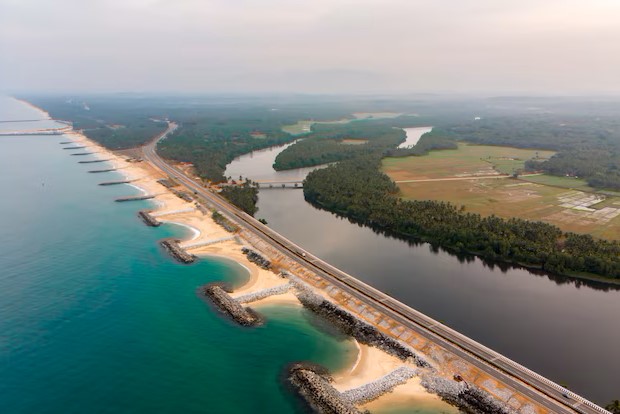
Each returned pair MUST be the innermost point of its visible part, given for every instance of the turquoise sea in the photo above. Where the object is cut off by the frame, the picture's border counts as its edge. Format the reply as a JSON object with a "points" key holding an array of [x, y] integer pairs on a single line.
{"points": [[96, 318]]}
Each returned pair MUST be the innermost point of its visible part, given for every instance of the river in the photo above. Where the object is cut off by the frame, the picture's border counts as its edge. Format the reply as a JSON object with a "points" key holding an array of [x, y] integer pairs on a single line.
{"points": [[413, 136], [565, 329]]}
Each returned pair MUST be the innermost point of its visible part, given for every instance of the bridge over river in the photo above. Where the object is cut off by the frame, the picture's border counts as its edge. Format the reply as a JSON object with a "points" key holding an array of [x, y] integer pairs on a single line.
{"points": [[279, 184]]}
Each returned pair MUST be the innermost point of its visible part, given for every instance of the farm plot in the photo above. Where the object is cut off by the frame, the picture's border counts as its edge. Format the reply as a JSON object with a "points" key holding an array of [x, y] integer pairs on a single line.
{"points": [[471, 176], [466, 161], [506, 197]]}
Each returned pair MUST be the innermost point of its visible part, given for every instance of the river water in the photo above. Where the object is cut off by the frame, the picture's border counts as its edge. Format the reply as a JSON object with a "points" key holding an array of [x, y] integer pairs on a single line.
{"points": [[413, 135], [96, 318], [564, 329]]}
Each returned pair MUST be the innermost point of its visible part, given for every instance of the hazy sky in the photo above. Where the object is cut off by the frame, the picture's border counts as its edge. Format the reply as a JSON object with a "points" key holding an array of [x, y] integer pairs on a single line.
{"points": [[555, 46]]}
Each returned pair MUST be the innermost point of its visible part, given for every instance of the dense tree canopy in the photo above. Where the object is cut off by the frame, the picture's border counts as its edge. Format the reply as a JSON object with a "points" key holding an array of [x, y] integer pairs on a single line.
{"points": [[589, 147], [327, 144], [102, 120], [358, 190], [243, 196], [437, 139]]}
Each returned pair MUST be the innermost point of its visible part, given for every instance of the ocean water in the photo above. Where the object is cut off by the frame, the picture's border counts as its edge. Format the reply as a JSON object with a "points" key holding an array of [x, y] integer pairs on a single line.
{"points": [[95, 317]]}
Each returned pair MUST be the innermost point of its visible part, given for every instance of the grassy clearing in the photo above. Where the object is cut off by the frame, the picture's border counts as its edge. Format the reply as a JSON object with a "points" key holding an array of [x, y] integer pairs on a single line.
{"points": [[467, 160], [354, 141], [300, 128], [563, 182], [507, 197], [376, 115], [530, 197], [305, 127]]}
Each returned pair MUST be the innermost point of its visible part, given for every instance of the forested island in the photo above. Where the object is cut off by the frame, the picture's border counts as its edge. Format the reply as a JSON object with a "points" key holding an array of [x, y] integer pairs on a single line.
{"points": [[358, 190]]}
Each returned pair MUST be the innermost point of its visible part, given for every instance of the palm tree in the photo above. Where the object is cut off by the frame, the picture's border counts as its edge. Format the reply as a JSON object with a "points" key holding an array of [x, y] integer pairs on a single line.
{"points": [[613, 407]]}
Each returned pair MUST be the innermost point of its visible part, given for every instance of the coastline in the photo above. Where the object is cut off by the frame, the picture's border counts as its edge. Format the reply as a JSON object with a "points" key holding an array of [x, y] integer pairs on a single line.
{"points": [[370, 363], [195, 232], [46, 114]]}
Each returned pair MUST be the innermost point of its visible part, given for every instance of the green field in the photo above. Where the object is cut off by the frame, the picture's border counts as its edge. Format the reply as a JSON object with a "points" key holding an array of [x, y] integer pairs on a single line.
{"points": [[455, 176], [304, 127], [300, 128], [466, 161], [376, 115], [563, 182]]}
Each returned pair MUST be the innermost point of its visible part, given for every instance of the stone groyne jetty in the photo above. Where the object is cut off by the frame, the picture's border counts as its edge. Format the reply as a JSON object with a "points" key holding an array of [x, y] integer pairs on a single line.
{"points": [[92, 161], [103, 171], [313, 385], [77, 154], [315, 389], [148, 219], [115, 182], [372, 390], [74, 148], [172, 246], [231, 307], [28, 133], [264, 293], [66, 142], [135, 198]]}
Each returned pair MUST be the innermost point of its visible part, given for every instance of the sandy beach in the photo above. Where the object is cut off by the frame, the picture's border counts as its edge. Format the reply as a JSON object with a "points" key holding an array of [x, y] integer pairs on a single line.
{"points": [[42, 111], [370, 364]]}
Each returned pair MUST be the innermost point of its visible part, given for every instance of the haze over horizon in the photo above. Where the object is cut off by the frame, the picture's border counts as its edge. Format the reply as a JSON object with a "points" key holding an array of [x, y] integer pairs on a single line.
{"points": [[321, 46]]}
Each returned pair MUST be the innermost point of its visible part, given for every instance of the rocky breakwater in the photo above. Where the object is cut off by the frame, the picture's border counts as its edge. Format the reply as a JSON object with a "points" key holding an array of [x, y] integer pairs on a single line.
{"points": [[353, 326], [172, 246], [377, 388], [228, 305], [315, 389], [148, 219], [468, 397], [256, 257]]}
